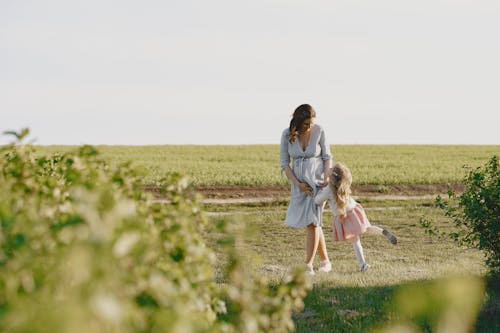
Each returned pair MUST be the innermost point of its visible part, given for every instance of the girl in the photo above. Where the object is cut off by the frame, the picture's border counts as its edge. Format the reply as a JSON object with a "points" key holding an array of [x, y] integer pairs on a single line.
{"points": [[349, 218]]}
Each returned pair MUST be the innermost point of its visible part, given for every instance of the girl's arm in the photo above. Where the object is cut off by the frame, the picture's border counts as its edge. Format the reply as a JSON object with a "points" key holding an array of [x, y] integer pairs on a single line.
{"points": [[324, 194]]}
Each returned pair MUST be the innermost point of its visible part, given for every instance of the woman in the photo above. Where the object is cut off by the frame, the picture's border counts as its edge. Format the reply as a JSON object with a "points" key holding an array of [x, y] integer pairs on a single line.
{"points": [[304, 143]]}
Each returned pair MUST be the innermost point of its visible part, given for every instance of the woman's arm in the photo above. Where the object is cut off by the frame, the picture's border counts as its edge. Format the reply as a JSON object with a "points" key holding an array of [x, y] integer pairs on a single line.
{"points": [[327, 172], [285, 164], [304, 187], [327, 157]]}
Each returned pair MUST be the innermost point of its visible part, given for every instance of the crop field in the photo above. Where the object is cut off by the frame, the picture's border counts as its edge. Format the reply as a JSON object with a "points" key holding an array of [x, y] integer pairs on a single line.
{"points": [[259, 164]]}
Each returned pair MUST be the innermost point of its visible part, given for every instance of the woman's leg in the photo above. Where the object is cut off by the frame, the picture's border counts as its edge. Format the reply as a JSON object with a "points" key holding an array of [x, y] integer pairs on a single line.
{"points": [[324, 265], [312, 242], [322, 251]]}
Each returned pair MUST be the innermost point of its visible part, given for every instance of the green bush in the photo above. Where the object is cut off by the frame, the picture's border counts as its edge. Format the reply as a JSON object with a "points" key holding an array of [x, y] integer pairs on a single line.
{"points": [[475, 213], [446, 305], [84, 249]]}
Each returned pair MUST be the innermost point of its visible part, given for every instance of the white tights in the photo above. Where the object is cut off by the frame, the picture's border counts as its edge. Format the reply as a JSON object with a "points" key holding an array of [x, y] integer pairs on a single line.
{"points": [[358, 249]]}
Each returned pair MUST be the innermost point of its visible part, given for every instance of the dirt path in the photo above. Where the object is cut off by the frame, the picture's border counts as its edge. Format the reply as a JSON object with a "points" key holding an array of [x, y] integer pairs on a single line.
{"points": [[271, 199], [283, 191], [259, 194], [265, 193]]}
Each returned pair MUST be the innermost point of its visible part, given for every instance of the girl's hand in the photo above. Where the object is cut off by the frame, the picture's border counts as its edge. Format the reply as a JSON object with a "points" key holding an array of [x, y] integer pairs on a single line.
{"points": [[304, 187]]}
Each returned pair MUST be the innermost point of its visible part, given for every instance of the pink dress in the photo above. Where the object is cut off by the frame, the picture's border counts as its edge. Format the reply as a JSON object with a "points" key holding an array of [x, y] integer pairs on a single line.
{"points": [[353, 224]]}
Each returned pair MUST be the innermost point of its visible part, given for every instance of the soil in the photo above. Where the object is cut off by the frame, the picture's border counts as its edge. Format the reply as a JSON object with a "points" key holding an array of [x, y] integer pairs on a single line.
{"points": [[283, 191]]}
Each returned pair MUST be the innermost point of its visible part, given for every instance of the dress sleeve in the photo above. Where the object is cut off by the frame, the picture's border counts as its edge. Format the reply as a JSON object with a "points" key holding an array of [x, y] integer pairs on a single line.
{"points": [[324, 194], [326, 154], [284, 155]]}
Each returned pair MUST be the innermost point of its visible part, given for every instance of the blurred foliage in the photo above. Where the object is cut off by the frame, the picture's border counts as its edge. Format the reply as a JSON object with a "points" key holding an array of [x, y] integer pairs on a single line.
{"points": [[448, 305], [475, 213], [84, 249]]}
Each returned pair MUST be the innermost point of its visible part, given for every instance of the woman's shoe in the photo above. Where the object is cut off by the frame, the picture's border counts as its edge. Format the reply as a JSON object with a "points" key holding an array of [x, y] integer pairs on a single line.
{"points": [[325, 266], [364, 268], [309, 269]]}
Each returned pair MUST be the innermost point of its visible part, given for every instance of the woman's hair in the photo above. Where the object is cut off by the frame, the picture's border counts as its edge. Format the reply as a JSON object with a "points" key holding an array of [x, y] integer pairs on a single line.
{"points": [[301, 114], [340, 182]]}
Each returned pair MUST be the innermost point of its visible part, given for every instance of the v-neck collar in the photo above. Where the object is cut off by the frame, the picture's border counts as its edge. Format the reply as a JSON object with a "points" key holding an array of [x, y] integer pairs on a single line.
{"points": [[308, 141], [302, 149]]}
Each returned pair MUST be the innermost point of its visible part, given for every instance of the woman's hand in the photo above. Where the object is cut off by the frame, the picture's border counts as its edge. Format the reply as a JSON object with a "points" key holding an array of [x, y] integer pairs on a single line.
{"points": [[325, 181], [304, 187]]}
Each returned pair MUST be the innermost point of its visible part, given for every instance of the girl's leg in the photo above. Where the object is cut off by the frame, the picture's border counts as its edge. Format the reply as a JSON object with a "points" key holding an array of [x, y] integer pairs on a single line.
{"points": [[379, 231], [358, 249], [312, 242], [375, 230]]}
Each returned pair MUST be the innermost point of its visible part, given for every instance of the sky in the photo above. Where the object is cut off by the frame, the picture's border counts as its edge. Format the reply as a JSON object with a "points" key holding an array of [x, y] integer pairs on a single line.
{"points": [[232, 72]]}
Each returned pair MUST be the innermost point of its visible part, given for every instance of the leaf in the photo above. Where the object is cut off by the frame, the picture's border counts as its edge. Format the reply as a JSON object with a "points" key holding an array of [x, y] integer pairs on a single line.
{"points": [[19, 135]]}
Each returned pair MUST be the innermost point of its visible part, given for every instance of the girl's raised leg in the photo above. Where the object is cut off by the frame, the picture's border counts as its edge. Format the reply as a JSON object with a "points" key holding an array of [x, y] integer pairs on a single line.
{"points": [[379, 231]]}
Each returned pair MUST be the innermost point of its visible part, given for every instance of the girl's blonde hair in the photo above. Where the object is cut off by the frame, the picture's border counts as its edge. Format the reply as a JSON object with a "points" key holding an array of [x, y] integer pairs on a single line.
{"points": [[340, 182]]}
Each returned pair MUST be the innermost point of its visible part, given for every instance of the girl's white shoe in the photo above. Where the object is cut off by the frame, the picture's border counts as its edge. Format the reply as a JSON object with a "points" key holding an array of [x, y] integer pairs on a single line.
{"points": [[325, 266], [364, 268]]}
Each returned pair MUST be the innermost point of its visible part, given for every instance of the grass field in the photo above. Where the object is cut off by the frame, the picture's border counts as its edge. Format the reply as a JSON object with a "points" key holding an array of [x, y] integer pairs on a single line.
{"points": [[259, 164], [346, 300], [343, 300]]}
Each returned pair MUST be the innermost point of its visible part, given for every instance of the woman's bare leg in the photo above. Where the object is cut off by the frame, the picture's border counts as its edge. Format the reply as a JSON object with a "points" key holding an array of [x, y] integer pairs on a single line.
{"points": [[322, 251], [312, 242]]}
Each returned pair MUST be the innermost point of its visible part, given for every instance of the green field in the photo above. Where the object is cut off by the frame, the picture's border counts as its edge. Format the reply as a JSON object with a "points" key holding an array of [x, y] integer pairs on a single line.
{"points": [[259, 164], [346, 300]]}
